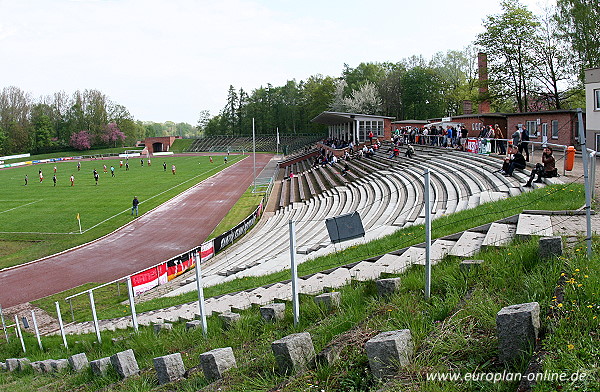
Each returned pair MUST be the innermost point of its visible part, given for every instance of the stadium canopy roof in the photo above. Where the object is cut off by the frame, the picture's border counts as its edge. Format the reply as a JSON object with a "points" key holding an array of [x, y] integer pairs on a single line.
{"points": [[332, 118]]}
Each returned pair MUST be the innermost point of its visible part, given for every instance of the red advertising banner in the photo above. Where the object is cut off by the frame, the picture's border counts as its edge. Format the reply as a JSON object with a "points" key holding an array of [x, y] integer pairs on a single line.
{"points": [[144, 280], [179, 265], [473, 145], [162, 273], [207, 250]]}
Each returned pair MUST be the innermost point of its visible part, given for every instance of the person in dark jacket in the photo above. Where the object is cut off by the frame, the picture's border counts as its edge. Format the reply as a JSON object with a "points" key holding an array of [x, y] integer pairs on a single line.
{"points": [[135, 204], [516, 162], [545, 169]]}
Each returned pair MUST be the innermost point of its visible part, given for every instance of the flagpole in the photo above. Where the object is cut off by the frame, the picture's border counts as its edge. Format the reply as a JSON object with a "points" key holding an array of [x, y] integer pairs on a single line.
{"points": [[277, 148], [79, 221]]}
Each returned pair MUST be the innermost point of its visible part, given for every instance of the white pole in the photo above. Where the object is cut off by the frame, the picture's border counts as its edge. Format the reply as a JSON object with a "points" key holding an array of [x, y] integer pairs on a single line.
{"points": [[62, 327], [200, 294], [79, 221], [132, 303], [294, 269], [427, 236], [254, 158], [18, 327], [93, 305], [588, 193], [4, 324], [37, 331], [277, 148], [593, 171]]}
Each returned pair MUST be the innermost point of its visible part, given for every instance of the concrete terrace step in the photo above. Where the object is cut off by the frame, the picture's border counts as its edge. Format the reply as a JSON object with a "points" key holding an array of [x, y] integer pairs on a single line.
{"points": [[499, 234], [530, 224], [468, 244]]}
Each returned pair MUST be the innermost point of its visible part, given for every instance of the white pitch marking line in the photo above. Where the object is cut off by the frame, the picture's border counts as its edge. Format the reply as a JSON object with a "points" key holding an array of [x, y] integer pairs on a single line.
{"points": [[24, 205]]}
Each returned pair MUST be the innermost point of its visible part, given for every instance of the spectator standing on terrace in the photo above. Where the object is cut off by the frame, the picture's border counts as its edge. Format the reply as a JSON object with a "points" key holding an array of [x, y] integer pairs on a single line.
{"points": [[501, 144], [371, 137], [516, 137], [545, 169], [524, 145], [134, 205]]}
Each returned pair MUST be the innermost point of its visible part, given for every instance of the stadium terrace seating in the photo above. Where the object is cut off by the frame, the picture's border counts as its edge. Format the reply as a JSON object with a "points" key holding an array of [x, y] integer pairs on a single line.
{"points": [[289, 143]]}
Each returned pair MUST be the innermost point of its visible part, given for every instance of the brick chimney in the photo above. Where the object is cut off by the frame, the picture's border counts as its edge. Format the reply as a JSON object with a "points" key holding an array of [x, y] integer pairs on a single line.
{"points": [[484, 100]]}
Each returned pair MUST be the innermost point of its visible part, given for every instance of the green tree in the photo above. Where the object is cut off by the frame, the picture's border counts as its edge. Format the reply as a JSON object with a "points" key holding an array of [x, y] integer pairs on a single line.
{"points": [[509, 40], [579, 20]]}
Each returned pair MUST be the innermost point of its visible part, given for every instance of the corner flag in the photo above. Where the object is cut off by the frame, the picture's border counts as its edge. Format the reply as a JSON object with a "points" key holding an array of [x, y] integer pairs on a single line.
{"points": [[79, 221]]}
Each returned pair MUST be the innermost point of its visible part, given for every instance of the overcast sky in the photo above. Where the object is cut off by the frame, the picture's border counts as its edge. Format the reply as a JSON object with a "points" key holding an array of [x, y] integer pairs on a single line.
{"points": [[166, 60]]}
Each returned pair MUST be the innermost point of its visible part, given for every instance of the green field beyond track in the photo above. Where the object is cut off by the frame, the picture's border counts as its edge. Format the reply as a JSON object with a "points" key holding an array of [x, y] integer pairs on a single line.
{"points": [[44, 217]]}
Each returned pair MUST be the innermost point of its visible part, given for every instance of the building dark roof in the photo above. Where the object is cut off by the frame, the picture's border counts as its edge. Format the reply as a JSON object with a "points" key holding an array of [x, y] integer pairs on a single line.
{"points": [[410, 122]]}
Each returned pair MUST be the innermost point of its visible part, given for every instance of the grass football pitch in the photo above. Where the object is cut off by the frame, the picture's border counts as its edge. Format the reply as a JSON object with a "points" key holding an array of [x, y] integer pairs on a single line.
{"points": [[39, 218]]}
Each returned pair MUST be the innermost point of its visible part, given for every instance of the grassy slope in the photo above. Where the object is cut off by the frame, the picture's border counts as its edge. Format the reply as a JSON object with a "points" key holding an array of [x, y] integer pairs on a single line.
{"points": [[44, 217]]}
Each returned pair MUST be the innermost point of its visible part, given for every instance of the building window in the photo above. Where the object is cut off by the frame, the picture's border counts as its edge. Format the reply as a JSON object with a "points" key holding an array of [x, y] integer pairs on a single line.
{"points": [[597, 99], [554, 129], [532, 128]]}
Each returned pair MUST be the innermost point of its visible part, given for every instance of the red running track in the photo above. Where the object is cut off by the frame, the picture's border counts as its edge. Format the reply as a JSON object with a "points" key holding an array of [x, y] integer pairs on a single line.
{"points": [[170, 229]]}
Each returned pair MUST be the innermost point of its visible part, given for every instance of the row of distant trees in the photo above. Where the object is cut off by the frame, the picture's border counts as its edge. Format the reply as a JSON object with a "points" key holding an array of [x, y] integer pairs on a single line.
{"points": [[536, 62], [86, 119]]}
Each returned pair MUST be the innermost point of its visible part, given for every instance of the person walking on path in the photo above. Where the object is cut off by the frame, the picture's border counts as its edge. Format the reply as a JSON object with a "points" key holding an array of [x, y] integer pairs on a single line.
{"points": [[135, 204], [54, 179]]}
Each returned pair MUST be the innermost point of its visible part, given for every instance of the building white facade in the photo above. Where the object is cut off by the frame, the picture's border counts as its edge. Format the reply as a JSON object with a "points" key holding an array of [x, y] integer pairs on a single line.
{"points": [[592, 108]]}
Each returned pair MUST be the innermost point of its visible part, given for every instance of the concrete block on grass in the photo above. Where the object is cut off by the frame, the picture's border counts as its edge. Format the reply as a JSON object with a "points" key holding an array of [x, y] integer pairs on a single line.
{"points": [[329, 300], [37, 366], [125, 363], [23, 363], [388, 350], [12, 364], [46, 366], [550, 247], [100, 366], [59, 364], [517, 327], [273, 312], [294, 352], [230, 318], [169, 368], [3, 366], [216, 362], [193, 324], [387, 286], [78, 362]]}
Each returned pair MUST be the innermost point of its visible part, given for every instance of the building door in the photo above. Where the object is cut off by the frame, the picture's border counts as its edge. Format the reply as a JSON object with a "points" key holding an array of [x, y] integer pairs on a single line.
{"points": [[545, 133], [157, 147]]}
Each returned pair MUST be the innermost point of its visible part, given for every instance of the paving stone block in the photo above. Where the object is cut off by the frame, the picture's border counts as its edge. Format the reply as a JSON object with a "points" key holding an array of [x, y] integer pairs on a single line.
{"points": [[294, 352], [78, 362], [193, 324], [469, 265], [125, 363], [169, 368], [329, 300], [215, 362], [329, 354], [100, 366], [46, 366], [59, 364], [550, 247], [162, 327], [12, 364], [273, 312], [36, 366], [3, 366], [230, 318], [23, 363], [517, 327], [388, 350], [387, 286]]}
